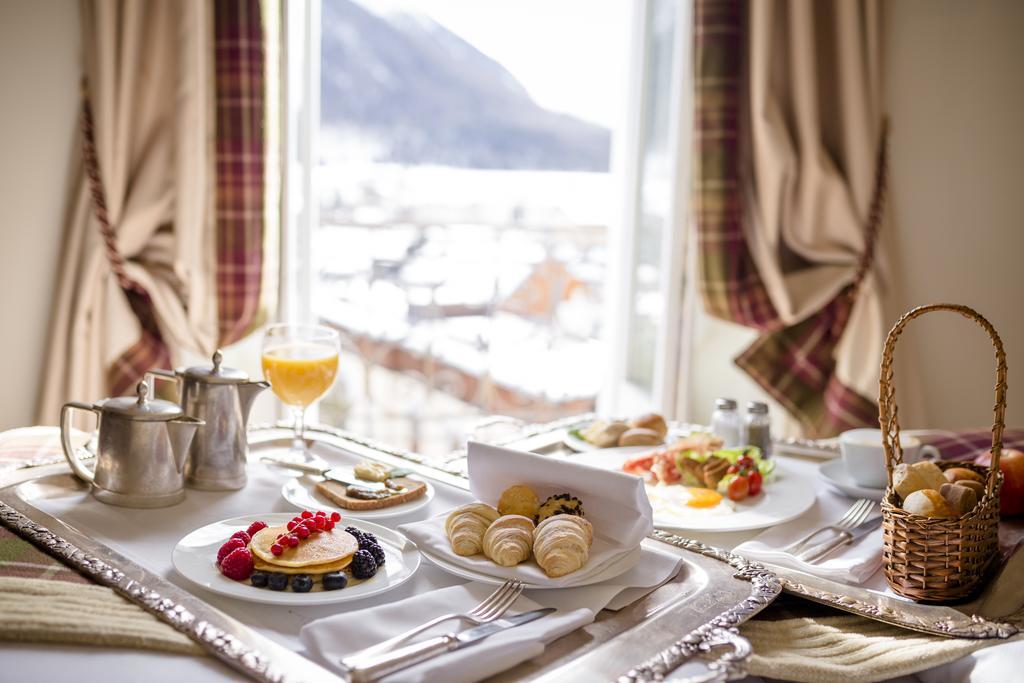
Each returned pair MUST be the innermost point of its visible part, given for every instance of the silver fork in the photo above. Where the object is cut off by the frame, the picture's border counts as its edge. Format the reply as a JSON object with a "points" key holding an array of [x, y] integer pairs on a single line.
{"points": [[857, 513], [492, 607]]}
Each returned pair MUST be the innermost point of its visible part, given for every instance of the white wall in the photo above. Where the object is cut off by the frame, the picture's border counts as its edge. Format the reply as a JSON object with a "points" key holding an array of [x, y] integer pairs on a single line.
{"points": [[39, 73]]}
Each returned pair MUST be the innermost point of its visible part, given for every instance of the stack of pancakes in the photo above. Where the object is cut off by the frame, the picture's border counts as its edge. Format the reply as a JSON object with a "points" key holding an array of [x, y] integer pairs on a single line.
{"points": [[322, 553]]}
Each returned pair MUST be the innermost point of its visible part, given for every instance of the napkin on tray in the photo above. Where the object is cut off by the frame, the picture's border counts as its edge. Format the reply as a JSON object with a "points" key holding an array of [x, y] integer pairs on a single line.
{"points": [[853, 564], [334, 637], [615, 503]]}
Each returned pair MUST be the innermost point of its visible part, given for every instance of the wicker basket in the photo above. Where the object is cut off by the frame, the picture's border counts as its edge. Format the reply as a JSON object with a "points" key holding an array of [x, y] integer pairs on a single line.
{"points": [[939, 559]]}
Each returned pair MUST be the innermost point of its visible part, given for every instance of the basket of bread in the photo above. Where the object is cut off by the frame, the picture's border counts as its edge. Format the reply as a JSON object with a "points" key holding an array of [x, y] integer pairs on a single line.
{"points": [[940, 520]]}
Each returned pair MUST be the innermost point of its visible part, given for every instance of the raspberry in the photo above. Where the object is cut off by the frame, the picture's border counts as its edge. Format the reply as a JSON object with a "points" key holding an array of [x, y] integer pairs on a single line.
{"points": [[306, 514], [302, 532], [335, 517], [363, 565], [328, 525], [292, 525], [232, 544], [237, 565], [293, 540], [321, 513], [277, 549], [242, 535], [254, 527]]}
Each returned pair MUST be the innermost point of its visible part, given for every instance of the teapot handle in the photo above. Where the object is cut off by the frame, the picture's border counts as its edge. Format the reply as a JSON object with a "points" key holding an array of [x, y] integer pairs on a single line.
{"points": [[80, 470], [169, 375]]}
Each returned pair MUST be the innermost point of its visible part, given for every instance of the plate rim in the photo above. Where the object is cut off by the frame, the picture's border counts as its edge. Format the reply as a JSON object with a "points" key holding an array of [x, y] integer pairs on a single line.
{"points": [[863, 491], [407, 548], [388, 512]]}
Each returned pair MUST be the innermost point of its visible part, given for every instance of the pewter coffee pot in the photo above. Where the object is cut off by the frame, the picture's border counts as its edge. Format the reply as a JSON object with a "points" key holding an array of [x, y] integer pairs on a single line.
{"points": [[142, 446], [222, 397]]}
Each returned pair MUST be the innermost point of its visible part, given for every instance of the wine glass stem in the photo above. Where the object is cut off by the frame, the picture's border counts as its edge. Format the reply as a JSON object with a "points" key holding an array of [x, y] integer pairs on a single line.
{"points": [[299, 441]]}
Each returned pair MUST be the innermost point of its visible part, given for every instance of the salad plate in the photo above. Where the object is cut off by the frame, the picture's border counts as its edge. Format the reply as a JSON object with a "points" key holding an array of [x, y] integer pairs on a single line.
{"points": [[195, 555], [784, 496]]}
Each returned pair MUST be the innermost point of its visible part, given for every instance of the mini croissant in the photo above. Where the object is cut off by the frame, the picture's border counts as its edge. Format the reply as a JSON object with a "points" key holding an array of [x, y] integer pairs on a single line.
{"points": [[466, 526], [509, 540], [561, 544]]}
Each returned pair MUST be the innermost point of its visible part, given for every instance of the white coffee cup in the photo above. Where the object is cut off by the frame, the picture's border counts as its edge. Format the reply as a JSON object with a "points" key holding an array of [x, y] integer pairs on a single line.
{"points": [[864, 455]]}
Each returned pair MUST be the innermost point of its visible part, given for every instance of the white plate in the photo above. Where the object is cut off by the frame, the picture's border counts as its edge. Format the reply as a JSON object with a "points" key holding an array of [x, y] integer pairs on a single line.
{"points": [[834, 474], [195, 558], [613, 568], [301, 492], [786, 497]]}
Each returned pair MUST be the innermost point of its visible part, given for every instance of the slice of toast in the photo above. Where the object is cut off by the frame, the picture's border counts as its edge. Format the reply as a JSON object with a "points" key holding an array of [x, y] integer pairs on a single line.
{"points": [[335, 492]]}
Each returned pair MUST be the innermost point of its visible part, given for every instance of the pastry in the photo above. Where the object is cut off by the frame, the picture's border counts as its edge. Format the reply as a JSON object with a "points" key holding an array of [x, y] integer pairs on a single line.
{"points": [[509, 540], [928, 503], [518, 500], [349, 498], [466, 526], [957, 474], [604, 434], [652, 421], [640, 437], [961, 499], [921, 475], [560, 504], [561, 544]]}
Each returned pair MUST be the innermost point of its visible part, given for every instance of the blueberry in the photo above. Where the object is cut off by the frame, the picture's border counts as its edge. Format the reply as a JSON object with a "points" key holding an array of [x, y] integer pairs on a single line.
{"points": [[302, 583], [259, 579], [277, 582], [335, 581], [363, 565]]}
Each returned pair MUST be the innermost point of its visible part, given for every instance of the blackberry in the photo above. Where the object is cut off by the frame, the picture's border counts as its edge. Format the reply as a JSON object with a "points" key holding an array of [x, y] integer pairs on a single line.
{"points": [[369, 538], [335, 581], [302, 583], [363, 565], [355, 532], [277, 582], [374, 548], [259, 579]]}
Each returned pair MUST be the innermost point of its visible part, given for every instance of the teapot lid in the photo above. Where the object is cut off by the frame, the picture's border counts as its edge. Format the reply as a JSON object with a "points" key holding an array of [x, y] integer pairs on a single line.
{"points": [[218, 374], [140, 406]]}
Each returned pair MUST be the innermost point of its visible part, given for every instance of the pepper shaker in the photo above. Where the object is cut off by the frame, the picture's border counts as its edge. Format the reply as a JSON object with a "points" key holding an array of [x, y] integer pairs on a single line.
{"points": [[758, 427]]}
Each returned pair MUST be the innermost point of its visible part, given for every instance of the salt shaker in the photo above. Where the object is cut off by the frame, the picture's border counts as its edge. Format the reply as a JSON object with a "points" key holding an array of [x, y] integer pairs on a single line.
{"points": [[726, 423], [757, 427]]}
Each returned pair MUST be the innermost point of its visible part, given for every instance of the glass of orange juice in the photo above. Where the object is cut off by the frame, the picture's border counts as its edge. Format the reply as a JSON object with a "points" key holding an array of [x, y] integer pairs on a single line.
{"points": [[300, 362]]}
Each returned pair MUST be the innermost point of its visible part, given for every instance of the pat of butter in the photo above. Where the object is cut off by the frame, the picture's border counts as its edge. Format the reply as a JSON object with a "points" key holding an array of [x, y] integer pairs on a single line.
{"points": [[371, 471]]}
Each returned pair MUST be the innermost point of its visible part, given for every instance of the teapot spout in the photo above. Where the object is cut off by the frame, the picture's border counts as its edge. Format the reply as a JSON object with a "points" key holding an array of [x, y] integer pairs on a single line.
{"points": [[180, 432], [247, 393]]}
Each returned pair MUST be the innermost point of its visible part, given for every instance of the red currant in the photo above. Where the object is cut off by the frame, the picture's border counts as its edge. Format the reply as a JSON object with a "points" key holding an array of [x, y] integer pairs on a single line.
{"points": [[276, 549], [291, 525], [335, 517], [321, 513], [293, 540], [320, 521], [306, 514], [329, 525], [302, 532]]}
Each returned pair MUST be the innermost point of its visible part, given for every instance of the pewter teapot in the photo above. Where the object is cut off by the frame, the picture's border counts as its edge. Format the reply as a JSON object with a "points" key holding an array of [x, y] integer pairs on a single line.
{"points": [[222, 397], [142, 446]]}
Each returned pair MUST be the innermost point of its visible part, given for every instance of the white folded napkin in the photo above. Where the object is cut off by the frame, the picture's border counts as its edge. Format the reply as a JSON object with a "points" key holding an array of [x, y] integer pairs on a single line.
{"points": [[853, 563], [332, 638], [614, 502]]}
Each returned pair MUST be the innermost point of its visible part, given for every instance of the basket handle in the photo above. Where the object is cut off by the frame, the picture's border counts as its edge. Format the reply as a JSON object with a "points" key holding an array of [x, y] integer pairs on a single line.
{"points": [[887, 410]]}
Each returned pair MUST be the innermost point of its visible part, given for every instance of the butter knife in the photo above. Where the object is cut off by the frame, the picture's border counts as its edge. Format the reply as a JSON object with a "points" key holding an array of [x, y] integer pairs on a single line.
{"points": [[845, 537], [376, 667], [341, 475]]}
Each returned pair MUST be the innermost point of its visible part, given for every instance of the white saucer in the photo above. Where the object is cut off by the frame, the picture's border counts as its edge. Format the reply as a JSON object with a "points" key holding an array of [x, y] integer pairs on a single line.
{"points": [[834, 474]]}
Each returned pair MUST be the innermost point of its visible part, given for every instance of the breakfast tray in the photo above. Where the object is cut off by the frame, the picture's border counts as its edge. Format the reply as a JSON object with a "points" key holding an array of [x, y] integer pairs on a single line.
{"points": [[713, 592]]}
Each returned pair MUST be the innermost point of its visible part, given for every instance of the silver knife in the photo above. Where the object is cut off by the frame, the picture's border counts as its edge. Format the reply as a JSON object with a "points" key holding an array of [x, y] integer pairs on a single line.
{"points": [[339, 474], [845, 537], [377, 666]]}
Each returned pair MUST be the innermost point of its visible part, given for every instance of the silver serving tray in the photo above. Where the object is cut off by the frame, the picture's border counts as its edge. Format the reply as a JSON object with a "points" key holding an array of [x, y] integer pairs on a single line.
{"points": [[712, 594]]}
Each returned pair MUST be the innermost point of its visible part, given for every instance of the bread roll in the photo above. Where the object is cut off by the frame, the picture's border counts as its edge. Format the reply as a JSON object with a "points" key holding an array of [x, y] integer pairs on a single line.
{"points": [[466, 526], [652, 421], [604, 435], [509, 540], [640, 437], [518, 500], [955, 474], [960, 499], [921, 475], [927, 503], [976, 486]]}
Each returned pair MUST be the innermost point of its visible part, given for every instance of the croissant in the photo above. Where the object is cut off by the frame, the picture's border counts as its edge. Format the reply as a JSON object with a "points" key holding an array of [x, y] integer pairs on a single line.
{"points": [[466, 525], [509, 540], [561, 544]]}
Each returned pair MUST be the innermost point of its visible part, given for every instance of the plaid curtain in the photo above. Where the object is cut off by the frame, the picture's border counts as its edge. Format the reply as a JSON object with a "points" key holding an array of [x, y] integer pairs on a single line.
{"points": [[239, 52], [795, 364]]}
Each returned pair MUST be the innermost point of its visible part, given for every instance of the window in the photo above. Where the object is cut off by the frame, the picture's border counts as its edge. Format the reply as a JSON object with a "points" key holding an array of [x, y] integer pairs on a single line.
{"points": [[465, 180]]}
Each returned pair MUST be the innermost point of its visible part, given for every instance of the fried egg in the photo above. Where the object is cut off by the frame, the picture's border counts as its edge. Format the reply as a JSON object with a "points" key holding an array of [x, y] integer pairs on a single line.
{"points": [[687, 503]]}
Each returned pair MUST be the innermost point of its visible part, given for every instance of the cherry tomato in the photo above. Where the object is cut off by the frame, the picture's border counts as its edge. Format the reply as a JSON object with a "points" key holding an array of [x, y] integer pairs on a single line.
{"points": [[745, 461], [739, 488], [755, 482], [733, 469]]}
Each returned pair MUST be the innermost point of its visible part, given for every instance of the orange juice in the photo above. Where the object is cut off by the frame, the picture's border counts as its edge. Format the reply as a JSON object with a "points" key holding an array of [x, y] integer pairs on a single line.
{"points": [[300, 373]]}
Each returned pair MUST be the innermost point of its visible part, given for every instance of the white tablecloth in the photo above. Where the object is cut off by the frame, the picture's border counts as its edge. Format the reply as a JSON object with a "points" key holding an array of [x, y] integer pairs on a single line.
{"points": [[59, 664]]}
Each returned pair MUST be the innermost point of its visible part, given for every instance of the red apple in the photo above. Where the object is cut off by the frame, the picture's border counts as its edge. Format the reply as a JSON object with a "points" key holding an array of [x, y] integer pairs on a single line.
{"points": [[1011, 497]]}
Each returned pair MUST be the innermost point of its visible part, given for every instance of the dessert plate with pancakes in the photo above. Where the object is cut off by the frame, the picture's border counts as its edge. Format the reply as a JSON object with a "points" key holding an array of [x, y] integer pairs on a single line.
{"points": [[195, 558], [311, 491]]}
